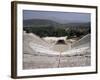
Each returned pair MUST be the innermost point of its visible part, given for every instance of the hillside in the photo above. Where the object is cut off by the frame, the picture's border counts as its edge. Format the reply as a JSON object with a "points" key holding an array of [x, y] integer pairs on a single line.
{"points": [[46, 23], [43, 28], [39, 23]]}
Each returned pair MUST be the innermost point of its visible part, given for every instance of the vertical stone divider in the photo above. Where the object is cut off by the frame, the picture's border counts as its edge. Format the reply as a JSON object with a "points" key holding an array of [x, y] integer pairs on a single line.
{"points": [[59, 60]]}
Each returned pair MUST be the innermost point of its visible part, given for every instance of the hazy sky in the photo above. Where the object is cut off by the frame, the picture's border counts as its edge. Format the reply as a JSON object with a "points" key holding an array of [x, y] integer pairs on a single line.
{"points": [[62, 17]]}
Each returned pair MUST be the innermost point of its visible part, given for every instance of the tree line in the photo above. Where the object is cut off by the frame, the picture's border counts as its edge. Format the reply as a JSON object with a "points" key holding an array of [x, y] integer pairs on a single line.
{"points": [[57, 32]]}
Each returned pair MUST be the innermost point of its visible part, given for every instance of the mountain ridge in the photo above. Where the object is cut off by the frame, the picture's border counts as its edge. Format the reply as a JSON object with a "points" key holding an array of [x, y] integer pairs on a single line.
{"points": [[46, 22]]}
